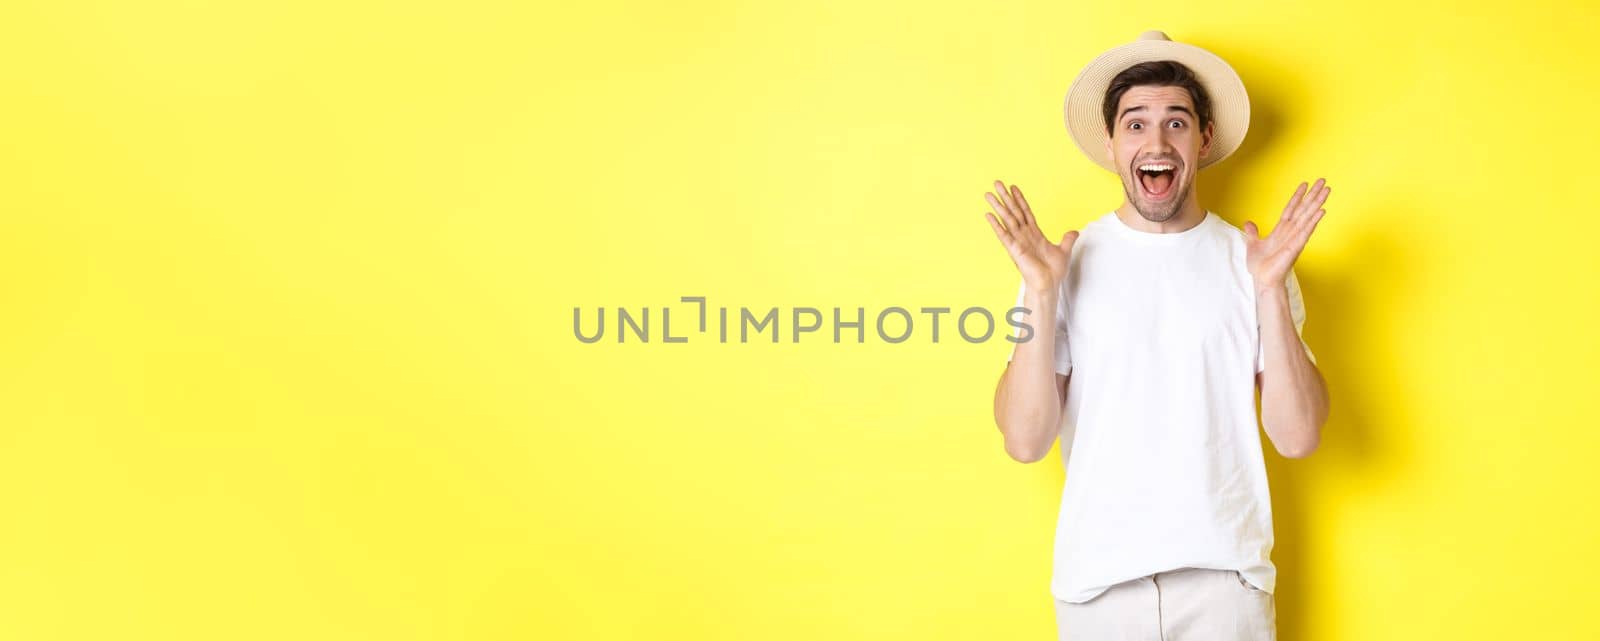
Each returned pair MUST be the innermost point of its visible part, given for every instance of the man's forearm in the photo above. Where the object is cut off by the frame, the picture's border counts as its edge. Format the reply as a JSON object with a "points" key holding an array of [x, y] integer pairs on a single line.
{"points": [[1027, 404], [1294, 397]]}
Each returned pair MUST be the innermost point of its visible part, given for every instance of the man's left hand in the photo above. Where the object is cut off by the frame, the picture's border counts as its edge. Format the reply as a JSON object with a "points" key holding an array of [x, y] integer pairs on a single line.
{"points": [[1270, 258]]}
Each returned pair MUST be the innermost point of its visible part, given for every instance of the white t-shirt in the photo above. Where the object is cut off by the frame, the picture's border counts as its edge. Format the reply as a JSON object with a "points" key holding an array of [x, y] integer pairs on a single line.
{"points": [[1164, 464]]}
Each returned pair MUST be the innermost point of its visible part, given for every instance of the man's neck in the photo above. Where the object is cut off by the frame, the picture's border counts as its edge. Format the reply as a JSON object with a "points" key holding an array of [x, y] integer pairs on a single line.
{"points": [[1189, 215]]}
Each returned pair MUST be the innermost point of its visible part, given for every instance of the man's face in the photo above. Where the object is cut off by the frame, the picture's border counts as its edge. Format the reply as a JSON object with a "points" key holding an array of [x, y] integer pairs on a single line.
{"points": [[1157, 146]]}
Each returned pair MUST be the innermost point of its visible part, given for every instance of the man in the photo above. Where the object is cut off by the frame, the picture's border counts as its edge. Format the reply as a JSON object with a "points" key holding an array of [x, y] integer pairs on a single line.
{"points": [[1153, 329]]}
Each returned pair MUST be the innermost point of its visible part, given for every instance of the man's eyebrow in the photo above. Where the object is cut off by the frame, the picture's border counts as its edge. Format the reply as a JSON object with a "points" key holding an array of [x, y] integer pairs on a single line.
{"points": [[1129, 110]]}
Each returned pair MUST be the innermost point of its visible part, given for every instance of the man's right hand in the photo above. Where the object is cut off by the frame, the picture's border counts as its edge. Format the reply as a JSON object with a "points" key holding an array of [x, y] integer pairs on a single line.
{"points": [[1043, 264]]}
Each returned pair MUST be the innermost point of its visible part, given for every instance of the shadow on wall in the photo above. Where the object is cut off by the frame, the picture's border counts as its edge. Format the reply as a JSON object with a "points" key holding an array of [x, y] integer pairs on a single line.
{"points": [[1342, 320], [1343, 324]]}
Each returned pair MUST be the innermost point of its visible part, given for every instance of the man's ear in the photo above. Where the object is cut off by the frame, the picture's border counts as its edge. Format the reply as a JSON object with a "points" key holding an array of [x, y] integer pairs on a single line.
{"points": [[1205, 144]]}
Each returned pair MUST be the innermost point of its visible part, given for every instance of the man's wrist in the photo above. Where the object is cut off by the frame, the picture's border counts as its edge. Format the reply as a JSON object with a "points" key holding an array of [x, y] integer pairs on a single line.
{"points": [[1039, 302], [1050, 292], [1267, 290]]}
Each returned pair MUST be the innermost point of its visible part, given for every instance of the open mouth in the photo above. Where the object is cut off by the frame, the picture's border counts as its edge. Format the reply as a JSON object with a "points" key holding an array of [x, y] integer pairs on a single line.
{"points": [[1157, 179]]}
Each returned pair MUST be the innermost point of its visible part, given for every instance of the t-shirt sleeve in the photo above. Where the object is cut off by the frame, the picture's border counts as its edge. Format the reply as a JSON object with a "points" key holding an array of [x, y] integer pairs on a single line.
{"points": [[1063, 352], [1297, 312]]}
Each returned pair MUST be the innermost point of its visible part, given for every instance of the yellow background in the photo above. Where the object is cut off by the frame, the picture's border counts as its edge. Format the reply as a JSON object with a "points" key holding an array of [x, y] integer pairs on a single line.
{"points": [[288, 287]]}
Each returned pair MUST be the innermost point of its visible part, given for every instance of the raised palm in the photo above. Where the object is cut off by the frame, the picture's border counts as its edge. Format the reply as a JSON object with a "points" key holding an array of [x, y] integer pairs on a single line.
{"points": [[1043, 264], [1269, 259]]}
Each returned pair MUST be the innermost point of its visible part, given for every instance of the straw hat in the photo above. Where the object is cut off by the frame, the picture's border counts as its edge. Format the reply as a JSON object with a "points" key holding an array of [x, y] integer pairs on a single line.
{"points": [[1230, 105]]}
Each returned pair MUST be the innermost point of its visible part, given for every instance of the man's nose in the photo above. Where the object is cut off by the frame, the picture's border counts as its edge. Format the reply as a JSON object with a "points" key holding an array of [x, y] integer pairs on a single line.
{"points": [[1160, 142]]}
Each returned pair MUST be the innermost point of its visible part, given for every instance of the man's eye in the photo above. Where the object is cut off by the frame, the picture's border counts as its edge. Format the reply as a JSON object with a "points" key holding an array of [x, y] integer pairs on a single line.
{"points": [[1175, 124], [1136, 125]]}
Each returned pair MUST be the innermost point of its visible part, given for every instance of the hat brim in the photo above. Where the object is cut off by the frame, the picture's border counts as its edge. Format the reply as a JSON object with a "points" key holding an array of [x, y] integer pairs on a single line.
{"points": [[1230, 105]]}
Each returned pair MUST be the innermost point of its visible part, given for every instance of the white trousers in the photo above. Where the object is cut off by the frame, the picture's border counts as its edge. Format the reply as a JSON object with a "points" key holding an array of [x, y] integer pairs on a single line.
{"points": [[1187, 604]]}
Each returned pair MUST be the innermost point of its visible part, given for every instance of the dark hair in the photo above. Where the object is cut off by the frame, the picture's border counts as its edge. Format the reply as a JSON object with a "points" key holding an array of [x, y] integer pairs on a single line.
{"points": [[1160, 73]]}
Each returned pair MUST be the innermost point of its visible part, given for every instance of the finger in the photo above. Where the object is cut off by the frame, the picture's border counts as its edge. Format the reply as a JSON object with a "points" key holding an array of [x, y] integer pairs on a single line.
{"points": [[1016, 210], [1006, 215], [1314, 218], [1313, 198], [999, 230], [1005, 197], [999, 209], [1315, 203], [1068, 240], [1250, 230], [1027, 212], [1294, 202], [1309, 206], [1307, 224]]}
